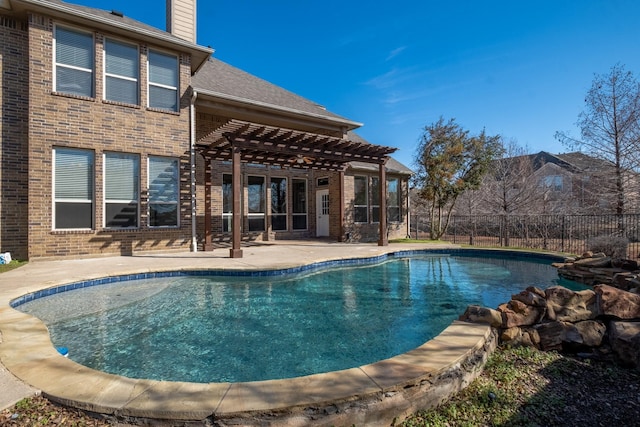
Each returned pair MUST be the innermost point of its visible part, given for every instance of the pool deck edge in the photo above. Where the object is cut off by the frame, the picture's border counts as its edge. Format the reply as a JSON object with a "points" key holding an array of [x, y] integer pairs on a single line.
{"points": [[369, 394]]}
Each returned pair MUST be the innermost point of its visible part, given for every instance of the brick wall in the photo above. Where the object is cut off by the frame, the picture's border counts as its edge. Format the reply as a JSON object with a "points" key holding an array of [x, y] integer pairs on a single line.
{"points": [[14, 121], [58, 120]]}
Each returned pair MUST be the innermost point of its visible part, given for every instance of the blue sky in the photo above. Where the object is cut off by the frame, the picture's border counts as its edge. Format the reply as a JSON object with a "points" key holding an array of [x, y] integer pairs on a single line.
{"points": [[516, 68]]}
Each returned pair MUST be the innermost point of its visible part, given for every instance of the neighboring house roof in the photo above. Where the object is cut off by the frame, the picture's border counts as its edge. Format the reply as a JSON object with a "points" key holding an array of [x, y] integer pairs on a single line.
{"points": [[220, 80], [585, 162], [113, 22], [575, 162]]}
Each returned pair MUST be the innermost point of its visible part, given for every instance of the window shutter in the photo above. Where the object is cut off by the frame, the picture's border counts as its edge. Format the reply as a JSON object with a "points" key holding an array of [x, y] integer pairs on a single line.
{"points": [[74, 174]]}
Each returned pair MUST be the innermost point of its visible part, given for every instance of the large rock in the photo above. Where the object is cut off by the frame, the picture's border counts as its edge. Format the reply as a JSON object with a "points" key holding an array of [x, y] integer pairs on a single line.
{"points": [[617, 303], [530, 297], [517, 313], [565, 305], [595, 262], [551, 335], [479, 314], [590, 333], [624, 338]]}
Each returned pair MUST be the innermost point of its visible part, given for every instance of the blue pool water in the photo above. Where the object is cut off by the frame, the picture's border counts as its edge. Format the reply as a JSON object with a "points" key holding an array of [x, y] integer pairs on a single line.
{"points": [[217, 329]]}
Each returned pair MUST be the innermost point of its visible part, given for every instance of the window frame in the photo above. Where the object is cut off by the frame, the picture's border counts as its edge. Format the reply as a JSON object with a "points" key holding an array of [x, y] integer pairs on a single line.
{"points": [[295, 213], [375, 197], [360, 209], [279, 216], [56, 65], [71, 200], [227, 202], [107, 75], [134, 201], [151, 83], [255, 216], [176, 184], [394, 207]]}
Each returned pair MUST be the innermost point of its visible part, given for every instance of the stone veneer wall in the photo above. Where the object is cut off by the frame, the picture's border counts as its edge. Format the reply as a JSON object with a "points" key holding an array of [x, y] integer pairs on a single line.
{"points": [[92, 123], [14, 119]]}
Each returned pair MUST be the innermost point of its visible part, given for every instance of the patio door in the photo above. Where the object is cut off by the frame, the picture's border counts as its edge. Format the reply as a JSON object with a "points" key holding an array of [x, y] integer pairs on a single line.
{"points": [[322, 213]]}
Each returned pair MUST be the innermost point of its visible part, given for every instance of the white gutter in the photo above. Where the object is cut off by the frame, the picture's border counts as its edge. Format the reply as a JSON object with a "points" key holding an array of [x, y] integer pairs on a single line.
{"points": [[192, 169]]}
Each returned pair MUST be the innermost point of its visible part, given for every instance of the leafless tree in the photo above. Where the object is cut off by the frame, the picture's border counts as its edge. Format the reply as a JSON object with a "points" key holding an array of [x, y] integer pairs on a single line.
{"points": [[610, 127]]}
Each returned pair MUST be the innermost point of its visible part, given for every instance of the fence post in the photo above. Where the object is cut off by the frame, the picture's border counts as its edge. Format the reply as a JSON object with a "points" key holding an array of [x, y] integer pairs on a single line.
{"points": [[562, 233]]}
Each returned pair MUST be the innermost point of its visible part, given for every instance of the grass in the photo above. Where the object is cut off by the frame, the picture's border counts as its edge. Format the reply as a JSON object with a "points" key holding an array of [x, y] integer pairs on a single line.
{"points": [[12, 265], [522, 386]]}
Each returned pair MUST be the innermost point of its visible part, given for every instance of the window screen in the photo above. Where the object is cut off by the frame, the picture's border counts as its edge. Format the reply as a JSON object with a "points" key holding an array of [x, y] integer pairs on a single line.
{"points": [[164, 190], [74, 62], [163, 81], [73, 188], [121, 72], [121, 188]]}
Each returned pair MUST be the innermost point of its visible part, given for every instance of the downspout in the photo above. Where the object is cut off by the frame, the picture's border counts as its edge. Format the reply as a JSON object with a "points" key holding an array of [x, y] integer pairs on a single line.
{"points": [[192, 156], [409, 211]]}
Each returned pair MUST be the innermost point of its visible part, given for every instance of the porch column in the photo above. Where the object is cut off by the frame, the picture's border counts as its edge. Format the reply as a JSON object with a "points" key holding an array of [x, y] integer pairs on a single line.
{"points": [[208, 246], [383, 240], [235, 251], [341, 236]]}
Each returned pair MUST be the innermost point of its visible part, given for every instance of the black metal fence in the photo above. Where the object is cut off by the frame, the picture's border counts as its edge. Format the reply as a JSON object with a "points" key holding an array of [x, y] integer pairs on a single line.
{"points": [[562, 233]]}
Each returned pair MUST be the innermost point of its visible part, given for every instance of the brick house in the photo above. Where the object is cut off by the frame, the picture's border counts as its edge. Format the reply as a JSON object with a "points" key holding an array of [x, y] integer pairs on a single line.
{"points": [[117, 137]]}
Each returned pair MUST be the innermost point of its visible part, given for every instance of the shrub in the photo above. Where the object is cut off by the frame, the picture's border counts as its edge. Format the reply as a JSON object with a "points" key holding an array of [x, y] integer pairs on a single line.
{"points": [[613, 246]]}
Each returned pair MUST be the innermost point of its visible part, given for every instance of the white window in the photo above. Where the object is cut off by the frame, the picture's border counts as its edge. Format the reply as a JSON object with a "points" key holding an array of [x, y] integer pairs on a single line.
{"points": [[163, 81], [73, 188], [164, 191], [375, 199], [361, 199], [553, 182], [74, 62], [299, 203], [256, 202], [121, 72], [227, 202], [121, 190], [394, 196], [278, 204]]}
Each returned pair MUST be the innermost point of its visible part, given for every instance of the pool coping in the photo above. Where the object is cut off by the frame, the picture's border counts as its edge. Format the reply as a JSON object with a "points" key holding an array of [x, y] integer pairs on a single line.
{"points": [[376, 393]]}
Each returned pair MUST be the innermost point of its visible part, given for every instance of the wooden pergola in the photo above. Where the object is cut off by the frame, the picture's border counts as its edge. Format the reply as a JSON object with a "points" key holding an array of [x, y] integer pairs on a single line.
{"points": [[240, 141]]}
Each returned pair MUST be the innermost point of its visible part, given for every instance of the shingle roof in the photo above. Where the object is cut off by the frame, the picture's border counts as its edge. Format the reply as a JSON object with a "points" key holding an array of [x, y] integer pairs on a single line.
{"points": [[105, 19], [219, 79]]}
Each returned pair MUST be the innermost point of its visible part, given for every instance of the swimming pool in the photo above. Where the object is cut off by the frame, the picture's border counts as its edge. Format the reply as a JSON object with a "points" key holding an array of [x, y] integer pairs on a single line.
{"points": [[279, 324]]}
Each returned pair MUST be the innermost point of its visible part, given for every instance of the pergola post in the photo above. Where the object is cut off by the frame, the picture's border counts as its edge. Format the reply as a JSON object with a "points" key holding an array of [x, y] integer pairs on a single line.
{"points": [[208, 245], [235, 251], [341, 236], [383, 240]]}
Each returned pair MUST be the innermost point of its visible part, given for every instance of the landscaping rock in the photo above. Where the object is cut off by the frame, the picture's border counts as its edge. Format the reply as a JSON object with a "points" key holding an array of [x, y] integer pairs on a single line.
{"points": [[516, 313], [530, 298], [617, 303], [511, 334], [569, 306], [552, 334], [594, 262], [478, 314], [624, 338], [591, 332]]}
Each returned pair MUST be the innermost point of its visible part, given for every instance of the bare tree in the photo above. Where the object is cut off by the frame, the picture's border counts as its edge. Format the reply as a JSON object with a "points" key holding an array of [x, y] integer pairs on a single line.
{"points": [[610, 126], [508, 188]]}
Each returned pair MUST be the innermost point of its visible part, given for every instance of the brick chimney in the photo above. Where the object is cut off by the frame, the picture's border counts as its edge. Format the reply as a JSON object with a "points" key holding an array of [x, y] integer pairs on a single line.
{"points": [[181, 19]]}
